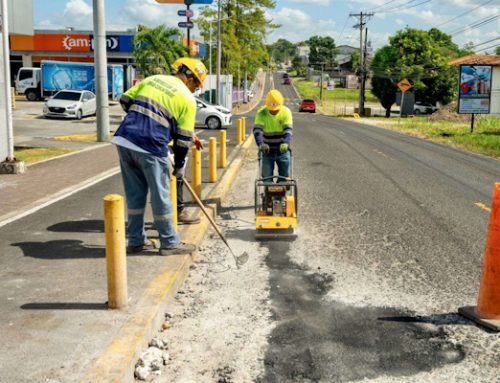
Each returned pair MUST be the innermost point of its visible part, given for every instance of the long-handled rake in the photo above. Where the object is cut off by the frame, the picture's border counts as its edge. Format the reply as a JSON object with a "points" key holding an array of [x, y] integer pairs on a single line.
{"points": [[238, 260]]}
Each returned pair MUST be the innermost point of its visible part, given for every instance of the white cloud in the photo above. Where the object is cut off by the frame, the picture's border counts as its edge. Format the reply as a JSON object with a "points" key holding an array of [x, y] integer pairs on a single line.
{"points": [[296, 25], [400, 22], [77, 8], [78, 14]]}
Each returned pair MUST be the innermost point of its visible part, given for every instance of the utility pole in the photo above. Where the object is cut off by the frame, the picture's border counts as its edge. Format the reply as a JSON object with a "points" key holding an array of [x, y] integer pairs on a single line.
{"points": [[361, 25], [321, 84], [8, 163], [188, 19], [210, 60], [219, 55], [101, 71]]}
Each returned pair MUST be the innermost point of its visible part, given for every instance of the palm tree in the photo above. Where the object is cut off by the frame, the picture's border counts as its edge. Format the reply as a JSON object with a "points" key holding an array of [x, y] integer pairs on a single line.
{"points": [[155, 49]]}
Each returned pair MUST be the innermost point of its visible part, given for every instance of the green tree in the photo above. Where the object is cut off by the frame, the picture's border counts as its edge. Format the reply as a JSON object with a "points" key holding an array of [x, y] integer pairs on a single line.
{"points": [[298, 65], [383, 87], [322, 50], [497, 50], [355, 62], [156, 49], [468, 49], [282, 50], [244, 31], [421, 57]]}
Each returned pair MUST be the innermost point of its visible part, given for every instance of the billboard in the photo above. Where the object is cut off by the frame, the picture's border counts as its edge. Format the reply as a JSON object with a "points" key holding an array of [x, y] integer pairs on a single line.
{"points": [[474, 93]]}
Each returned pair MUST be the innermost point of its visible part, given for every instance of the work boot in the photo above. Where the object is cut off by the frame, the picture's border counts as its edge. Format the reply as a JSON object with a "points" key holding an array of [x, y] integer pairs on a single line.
{"points": [[183, 218], [150, 244], [182, 248]]}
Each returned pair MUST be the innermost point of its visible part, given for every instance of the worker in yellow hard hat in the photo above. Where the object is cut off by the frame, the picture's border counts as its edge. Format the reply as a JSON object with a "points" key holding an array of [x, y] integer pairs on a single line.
{"points": [[272, 130], [160, 109]]}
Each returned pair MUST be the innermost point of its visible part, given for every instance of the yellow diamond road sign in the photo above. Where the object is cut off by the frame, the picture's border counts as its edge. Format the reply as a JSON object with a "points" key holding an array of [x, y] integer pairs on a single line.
{"points": [[404, 85]]}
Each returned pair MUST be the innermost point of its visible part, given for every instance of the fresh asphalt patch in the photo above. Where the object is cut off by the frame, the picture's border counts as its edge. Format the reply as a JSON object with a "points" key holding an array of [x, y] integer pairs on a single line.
{"points": [[320, 340]]}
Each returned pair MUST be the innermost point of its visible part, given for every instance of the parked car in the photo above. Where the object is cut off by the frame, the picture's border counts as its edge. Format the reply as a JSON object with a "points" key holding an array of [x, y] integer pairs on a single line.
{"points": [[307, 105], [212, 116], [249, 94], [287, 81], [70, 104], [421, 108]]}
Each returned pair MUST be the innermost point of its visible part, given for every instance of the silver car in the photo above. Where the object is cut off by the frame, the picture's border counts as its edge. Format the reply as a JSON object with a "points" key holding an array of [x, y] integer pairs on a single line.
{"points": [[70, 104], [212, 116]]}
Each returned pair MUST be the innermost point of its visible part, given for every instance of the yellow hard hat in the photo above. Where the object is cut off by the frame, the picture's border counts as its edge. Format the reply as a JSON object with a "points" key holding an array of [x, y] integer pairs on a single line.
{"points": [[196, 67], [274, 100]]}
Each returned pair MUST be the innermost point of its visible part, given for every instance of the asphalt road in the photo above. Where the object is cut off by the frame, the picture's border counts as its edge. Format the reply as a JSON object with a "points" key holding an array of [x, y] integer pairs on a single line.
{"points": [[390, 245]]}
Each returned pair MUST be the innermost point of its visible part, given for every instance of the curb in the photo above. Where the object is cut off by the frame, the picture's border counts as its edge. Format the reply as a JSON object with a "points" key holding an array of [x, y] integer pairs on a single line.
{"points": [[259, 99], [117, 363]]}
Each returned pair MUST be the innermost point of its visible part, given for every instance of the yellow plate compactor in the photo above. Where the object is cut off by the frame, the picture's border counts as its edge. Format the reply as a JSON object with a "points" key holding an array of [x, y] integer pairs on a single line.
{"points": [[276, 206]]}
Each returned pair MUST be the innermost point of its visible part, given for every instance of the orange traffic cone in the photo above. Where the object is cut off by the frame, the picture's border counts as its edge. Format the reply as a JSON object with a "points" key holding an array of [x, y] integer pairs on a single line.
{"points": [[487, 311]]}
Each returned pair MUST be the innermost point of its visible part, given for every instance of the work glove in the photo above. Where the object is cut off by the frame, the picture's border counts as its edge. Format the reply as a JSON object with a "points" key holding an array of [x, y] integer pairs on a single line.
{"points": [[284, 148], [178, 172], [264, 148], [197, 143]]}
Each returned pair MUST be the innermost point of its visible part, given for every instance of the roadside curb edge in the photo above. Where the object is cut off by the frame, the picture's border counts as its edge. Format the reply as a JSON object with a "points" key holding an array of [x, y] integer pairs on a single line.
{"points": [[117, 363]]}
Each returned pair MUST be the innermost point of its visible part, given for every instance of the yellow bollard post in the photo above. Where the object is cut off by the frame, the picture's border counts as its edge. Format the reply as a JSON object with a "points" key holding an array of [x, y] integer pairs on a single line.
{"points": [[173, 197], [212, 160], [13, 98], [222, 159], [116, 256], [244, 129], [196, 164], [239, 131]]}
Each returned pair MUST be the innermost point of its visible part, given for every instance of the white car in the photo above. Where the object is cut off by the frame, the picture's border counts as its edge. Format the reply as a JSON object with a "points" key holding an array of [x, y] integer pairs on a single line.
{"points": [[421, 108], [212, 116], [70, 104], [249, 94]]}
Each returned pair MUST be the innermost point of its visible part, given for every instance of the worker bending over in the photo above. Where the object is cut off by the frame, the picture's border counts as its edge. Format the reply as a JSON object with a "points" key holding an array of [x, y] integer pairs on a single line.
{"points": [[273, 134], [159, 109]]}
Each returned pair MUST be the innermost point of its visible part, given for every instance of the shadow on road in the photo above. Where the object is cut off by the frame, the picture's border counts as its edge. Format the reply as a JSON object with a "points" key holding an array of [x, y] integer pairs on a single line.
{"points": [[82, 226], [438, 320], [60, 249], [68, 249]]}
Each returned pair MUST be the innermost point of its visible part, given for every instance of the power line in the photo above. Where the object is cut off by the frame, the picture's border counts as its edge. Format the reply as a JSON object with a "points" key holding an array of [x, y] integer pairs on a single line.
{"points": [[463, 14], [486, 42], [476, 24], [490, 47], [415, 5], [403, 6], [382, 5], [396, 6], [345, 24]]}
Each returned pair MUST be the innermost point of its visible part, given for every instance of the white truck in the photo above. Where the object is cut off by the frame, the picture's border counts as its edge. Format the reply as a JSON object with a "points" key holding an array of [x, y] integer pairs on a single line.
{"points": [[53, 76]]}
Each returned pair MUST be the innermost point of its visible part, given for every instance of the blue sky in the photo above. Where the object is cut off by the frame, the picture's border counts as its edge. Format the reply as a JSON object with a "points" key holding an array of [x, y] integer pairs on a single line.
{"points": [[300, 19]]}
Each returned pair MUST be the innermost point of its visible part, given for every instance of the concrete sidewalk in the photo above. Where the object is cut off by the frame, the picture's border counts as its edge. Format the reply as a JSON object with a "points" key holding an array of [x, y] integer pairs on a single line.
{"points": [[242, 109], [54, 179], [53, 318]]}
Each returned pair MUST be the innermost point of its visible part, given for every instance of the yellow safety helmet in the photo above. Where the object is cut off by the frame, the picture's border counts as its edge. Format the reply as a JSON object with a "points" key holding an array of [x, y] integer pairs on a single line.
{"points": [[274, 100], [195, 67]]}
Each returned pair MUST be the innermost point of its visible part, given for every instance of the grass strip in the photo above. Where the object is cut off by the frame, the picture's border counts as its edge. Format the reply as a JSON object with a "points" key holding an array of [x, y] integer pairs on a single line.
{"points": [[33, 155]]}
